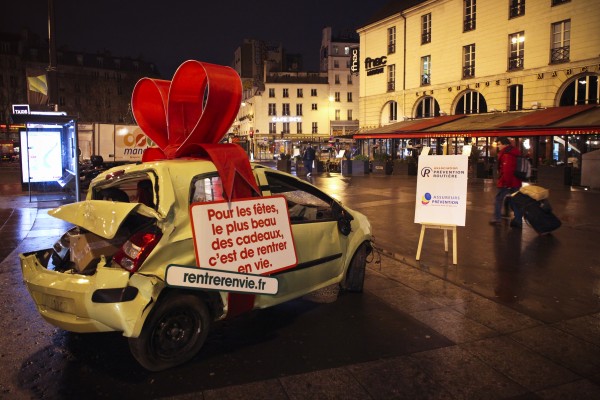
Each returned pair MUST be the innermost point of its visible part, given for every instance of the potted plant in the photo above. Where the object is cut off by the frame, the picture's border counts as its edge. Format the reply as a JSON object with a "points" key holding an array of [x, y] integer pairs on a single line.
{"points": [[284, 163], [359, 165], [382, 164]]}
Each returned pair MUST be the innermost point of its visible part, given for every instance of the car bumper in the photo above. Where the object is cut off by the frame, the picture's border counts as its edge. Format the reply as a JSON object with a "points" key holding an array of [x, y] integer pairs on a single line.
{"points": [[109, 300]]}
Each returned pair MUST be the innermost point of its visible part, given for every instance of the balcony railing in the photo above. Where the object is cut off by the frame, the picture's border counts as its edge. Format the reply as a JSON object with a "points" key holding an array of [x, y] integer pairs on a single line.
{"points": [[515, 63], [391, 48], [425, 79], [469, 71], [391, 86], [560, 54]]}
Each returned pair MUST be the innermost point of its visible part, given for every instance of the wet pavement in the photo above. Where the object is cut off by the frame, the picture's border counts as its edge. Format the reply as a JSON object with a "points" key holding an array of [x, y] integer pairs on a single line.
{"points": [[517, 317]]}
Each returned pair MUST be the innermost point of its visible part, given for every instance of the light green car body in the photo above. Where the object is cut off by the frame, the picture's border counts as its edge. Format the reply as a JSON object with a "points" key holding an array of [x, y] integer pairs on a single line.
{"points": [[69, 300]]}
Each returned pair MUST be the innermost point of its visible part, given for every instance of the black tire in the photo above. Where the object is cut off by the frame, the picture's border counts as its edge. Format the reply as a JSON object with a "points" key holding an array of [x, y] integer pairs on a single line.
{"points": [[355, 276], [174, 332]]}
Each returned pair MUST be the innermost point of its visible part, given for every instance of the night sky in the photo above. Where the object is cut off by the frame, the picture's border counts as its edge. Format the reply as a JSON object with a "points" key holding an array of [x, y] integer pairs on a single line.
{"points": [[168, 33]]}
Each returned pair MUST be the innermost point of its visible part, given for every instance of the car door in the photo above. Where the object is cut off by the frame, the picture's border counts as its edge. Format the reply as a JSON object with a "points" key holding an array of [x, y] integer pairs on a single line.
{"points": [[319, 244]]}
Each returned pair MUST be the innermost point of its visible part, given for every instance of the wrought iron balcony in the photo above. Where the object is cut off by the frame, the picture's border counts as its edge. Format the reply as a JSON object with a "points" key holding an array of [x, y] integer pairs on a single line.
{"points": [[469, 24], [560, 54], [426, 37], [391, 48], [515, 63], [469, 71], [391, 86]]}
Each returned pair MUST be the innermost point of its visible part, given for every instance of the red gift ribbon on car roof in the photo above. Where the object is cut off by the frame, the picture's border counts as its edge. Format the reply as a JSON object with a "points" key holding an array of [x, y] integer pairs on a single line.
{"points": [[189, 115]]}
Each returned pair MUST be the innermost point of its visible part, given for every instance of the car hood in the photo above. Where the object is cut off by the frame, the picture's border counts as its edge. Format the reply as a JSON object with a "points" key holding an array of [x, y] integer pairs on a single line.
{"points": [[100, 217]]}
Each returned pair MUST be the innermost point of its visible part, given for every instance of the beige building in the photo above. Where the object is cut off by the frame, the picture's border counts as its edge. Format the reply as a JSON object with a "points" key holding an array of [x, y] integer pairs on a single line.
{"points": [[446, 57], [287, 110]]}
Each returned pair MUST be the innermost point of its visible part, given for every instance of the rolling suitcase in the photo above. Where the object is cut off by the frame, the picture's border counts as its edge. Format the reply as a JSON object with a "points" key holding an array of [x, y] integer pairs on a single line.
{"points": [[537, 213]]}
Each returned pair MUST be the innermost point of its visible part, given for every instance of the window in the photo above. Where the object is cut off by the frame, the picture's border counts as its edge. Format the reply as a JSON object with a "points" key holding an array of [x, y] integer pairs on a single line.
{"points": [[336, 63], [471, 103], [271, 92], [427, 107], [391, 40], [298, 127], [337, 115], [313, 106], [285, 109], [286, 93], [313, 92], [205, 188], [391, 78], [337, 97], [425, 70], [336, 50], [315, 128], [470, 15], [583, 89], [298, 109], [426, 28], [272, 127], [349, 97], [346, 50], [516, 8], [393, 111], [349, 115], [349, 79], [561, 42], [469, 61], [286, 127], [299, 92], [516, 43], [558, 2], [272, 109], [305, 204], [515, 97], [337, 79]]}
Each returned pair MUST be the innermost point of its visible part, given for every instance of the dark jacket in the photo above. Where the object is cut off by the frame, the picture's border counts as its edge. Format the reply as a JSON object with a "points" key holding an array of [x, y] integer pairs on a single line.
{"points": [[507, 163], [309, 154]]}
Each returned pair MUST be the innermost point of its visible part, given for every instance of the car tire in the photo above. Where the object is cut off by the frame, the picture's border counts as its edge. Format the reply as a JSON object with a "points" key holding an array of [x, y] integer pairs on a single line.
{"points": [[173, 333], [355, 276]]}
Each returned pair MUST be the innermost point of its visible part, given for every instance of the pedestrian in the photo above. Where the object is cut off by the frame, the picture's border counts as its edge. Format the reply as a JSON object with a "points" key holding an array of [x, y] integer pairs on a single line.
{"points": [[507, 182], [309, 157]]}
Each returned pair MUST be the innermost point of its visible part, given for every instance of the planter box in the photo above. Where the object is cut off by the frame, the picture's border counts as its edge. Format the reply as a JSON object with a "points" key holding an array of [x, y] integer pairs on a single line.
{"points": [[382, 167], [400, 168], [355, 167], [284, 165]]}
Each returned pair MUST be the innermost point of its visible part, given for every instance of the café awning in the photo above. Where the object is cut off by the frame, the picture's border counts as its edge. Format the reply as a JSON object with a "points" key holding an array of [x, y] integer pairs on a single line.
{"points": [[555, 121]]}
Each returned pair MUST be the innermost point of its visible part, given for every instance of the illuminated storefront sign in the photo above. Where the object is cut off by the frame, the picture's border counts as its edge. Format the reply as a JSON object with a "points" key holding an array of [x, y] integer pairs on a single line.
{"points": [[286, 119], [374, 66], [355, 60]]}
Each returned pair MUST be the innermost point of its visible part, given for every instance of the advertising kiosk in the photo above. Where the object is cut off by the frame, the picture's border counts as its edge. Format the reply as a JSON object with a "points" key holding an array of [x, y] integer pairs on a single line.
{"points": [[49, 156]]}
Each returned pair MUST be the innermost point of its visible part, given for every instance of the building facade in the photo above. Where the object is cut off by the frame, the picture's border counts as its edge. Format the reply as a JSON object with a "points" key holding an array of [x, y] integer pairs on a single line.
{"points": [[288, 109], [92, 87], [446, 57]]}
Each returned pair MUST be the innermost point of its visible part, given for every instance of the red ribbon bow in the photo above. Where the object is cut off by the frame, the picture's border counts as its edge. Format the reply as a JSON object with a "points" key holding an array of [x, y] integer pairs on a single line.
{"points": [[189, 115]]}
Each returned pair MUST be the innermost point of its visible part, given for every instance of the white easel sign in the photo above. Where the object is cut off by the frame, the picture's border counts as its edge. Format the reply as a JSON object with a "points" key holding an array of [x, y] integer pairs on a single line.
{"points": [[441, 196]]}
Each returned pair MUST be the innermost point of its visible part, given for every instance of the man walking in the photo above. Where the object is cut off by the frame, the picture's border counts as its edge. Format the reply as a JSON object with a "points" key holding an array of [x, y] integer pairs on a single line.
{"points": [[309, 157], [507, 182]]}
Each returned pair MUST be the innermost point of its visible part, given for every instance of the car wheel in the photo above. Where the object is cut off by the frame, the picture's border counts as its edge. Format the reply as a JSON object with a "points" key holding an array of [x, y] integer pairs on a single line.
{"points": [[173, 333], [355, 276]]}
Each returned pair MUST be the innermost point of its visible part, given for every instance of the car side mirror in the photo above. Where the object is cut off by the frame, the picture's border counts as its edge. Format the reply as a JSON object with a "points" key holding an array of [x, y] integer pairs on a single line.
{"points": [[344, 219]]}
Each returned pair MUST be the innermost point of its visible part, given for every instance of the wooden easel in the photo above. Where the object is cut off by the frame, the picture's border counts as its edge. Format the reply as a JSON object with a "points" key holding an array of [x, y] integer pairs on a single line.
{"points": [[445, 228]]}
